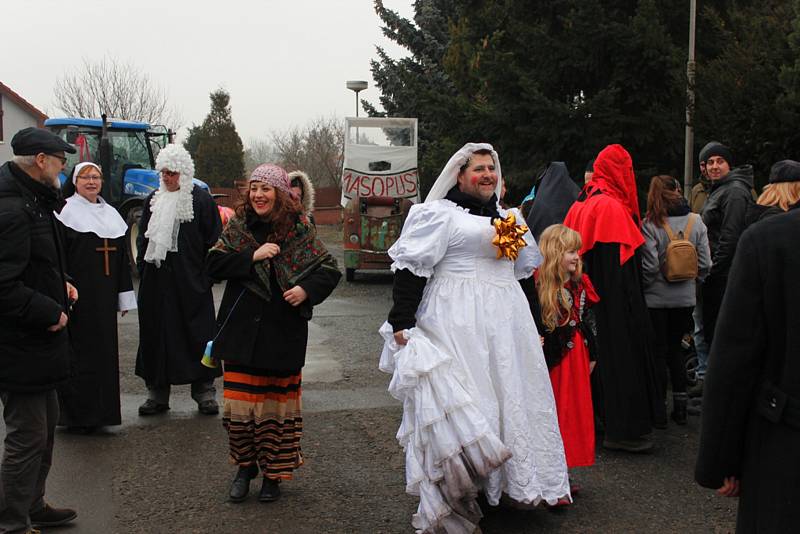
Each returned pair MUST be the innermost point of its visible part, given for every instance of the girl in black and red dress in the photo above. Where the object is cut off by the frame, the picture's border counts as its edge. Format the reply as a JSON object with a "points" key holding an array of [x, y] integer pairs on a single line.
{"points": [[565, 296]]}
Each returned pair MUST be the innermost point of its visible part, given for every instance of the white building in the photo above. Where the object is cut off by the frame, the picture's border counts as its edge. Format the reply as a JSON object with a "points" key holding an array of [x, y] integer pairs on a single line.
{"points": [[16, 113]]}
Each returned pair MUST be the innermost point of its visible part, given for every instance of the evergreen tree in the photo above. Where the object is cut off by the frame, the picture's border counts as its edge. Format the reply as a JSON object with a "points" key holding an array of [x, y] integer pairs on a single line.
{"points": [[747, 92], [219, 159], [550, 80], [192, 140], [418, 86]]}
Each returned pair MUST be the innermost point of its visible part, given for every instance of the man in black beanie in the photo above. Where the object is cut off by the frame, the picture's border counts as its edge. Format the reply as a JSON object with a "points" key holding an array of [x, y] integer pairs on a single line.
{"points": [[724, 214]]}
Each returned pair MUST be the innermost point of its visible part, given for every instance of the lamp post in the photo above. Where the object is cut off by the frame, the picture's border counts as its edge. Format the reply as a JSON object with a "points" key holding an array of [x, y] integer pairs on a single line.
{"points": [[690, 70], [356, 86]]}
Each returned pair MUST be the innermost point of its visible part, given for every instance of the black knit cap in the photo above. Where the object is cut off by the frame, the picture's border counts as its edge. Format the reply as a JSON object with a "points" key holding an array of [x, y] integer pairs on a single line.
{"points": [[715, 148], [31, 141], [787, 170]]}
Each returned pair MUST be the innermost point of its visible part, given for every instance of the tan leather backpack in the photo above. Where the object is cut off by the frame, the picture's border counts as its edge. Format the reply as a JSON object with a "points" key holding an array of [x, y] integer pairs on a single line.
{"points": [[680, 261]]}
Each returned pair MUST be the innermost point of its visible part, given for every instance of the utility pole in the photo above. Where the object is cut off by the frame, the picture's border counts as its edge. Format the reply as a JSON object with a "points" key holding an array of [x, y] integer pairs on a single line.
{"points": [[688, 163]]}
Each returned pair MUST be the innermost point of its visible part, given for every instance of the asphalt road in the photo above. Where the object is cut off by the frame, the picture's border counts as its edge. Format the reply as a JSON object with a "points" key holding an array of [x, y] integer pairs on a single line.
{"points": [[169, 473]]}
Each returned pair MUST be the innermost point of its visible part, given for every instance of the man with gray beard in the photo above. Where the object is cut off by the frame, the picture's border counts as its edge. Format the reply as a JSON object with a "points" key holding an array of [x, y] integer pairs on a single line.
{"points": [[34, 310]]}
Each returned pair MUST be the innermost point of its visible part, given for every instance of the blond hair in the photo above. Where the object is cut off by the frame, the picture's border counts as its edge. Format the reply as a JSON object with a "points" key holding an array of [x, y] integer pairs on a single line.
{"points": [[781, 194], [555, 241]]}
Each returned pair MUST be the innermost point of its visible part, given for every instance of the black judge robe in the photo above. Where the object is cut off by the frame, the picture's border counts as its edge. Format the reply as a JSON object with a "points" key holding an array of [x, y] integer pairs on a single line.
{"points": [[90, 398], [176, 308]]}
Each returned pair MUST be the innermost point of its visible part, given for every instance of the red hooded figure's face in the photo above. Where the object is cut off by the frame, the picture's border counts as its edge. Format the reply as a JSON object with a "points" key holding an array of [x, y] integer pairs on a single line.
{"points": [[613, 172]]}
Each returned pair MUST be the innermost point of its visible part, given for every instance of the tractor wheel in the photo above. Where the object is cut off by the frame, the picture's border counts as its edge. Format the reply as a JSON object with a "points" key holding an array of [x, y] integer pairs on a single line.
{"points": [[132, 218], [349, 274]]}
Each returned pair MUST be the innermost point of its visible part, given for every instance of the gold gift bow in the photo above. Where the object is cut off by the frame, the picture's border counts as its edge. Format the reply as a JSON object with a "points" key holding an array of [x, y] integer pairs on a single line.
{"points": [[509, 238]]}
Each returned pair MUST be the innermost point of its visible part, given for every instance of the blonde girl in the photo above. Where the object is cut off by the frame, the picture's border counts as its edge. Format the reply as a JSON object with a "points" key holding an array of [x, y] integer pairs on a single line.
{"points": [[565, 296]]}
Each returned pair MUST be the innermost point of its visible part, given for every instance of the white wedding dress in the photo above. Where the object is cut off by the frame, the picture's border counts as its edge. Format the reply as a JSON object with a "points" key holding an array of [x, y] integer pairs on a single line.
{"points": [[478, 407]]}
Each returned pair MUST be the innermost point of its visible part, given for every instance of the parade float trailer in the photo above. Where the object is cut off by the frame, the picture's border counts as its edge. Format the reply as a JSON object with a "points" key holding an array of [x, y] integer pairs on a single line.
{"points": [[380, 182], [126, 151]]}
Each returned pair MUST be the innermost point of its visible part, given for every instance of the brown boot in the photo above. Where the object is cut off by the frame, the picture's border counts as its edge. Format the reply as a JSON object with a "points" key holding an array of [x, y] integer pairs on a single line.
{"points": [[52, 517]]}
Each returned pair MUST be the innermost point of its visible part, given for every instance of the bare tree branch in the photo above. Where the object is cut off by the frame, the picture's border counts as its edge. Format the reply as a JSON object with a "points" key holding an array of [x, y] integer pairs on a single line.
{"points": [[116, 88], [315, 149]]}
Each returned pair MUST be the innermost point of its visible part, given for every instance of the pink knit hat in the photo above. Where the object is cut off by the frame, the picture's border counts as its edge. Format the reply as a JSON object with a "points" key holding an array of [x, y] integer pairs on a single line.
{"points": [[272, 175]]}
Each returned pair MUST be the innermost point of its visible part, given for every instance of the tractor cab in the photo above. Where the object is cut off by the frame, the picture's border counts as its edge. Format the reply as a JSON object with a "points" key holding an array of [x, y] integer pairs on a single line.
{"points": [[133, 147], [126, 151]]}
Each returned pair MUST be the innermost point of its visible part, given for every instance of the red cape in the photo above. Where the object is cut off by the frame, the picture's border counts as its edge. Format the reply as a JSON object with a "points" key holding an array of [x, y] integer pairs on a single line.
{"points": [[609, 212], [602, 219]]}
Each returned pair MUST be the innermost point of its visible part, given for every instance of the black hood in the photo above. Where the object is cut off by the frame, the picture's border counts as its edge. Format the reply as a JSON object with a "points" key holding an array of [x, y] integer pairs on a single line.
{"points": [[743, 173], [679, 208], [555, 194]]}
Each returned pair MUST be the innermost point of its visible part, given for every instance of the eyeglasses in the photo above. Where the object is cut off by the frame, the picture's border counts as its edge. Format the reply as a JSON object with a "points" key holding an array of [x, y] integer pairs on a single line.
{"points": [[90, 177], [60, 158], [169, 173]]}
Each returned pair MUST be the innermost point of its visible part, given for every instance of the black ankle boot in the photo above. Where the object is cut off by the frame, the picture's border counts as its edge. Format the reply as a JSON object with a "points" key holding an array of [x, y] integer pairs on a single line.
{"points": [[270, 490], [679, 410], [241, 483]]}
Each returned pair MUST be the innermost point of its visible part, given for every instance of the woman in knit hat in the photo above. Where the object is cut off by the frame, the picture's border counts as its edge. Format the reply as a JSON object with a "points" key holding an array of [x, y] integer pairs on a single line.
{"points": [[277, 270]]}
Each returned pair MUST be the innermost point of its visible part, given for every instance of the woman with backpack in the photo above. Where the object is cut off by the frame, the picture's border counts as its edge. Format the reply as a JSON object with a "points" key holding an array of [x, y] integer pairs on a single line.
{"points": [[674, 257]]}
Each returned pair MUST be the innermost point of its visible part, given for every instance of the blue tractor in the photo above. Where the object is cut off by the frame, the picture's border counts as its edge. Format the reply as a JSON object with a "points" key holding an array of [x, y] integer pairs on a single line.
{"points": [[126, 151]]}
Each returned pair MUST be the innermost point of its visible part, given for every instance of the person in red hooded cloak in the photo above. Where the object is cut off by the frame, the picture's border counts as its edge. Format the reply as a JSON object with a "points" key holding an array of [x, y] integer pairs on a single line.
{"points": [[607, 216]]}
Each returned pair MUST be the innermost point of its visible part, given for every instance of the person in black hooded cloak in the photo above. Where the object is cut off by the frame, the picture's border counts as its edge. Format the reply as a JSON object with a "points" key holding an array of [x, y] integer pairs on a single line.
{"points": [[553, 194]]}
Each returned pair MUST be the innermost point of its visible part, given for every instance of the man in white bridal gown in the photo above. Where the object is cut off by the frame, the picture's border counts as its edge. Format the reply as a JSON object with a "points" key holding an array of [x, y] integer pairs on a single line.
{"points": [[461, 343]]}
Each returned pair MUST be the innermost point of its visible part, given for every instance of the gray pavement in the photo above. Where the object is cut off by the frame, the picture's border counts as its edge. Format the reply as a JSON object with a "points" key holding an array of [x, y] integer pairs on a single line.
{"points": [[169, 473]]}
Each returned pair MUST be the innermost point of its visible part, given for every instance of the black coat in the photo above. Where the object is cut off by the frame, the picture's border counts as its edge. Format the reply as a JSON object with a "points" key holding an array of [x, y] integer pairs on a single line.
{"points": [[32, 286], [724, 214], [757, 212], [176, 307], [751, 430], [624, 383], [268, 335]]}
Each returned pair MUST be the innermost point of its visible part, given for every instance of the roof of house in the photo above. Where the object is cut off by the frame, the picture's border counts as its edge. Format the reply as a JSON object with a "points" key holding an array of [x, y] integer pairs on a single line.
{"points": [[9, 93]]}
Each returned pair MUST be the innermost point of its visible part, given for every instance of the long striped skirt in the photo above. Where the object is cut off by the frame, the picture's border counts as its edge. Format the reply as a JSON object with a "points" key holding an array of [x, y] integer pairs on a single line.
{"points": [[262, 413]]}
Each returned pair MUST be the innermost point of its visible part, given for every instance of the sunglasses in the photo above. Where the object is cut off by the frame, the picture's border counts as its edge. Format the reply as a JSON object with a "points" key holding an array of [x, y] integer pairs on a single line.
{"points": [[169, 173]]}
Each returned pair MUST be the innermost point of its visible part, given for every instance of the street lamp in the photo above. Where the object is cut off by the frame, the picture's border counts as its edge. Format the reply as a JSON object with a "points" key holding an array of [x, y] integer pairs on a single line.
{"points": [[356, 86], [690, 71]]}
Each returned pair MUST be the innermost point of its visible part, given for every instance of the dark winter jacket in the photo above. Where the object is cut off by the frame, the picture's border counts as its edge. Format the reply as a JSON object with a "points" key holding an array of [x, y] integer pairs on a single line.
{"points": [[724, 215], [757, 212], [264, 334], [32, 286], [751, 402]]}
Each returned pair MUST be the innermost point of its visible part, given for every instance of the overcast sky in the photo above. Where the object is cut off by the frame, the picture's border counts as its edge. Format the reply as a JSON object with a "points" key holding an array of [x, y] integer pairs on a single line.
{"points": [[284, 62]]}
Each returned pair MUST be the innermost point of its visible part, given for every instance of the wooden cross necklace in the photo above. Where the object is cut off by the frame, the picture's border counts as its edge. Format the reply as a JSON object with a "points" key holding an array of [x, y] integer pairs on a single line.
{"points": [[105, 249]]}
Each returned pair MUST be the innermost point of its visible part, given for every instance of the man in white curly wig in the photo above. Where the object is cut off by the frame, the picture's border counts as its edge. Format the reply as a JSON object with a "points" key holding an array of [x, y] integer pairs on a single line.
{"points": [[180, 222]]}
